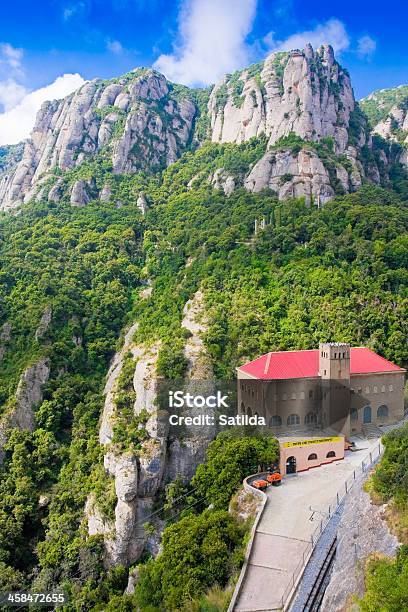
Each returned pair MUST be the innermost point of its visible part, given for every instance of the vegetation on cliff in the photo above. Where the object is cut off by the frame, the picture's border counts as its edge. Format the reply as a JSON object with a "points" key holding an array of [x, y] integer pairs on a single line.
{"points": [[387, 579], [339, 273]]}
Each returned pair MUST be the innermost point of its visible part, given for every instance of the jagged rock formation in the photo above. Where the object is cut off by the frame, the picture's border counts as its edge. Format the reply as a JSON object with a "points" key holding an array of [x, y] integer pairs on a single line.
{"points": [[395, 125], [387, 110], [185, 454], [5, 337], [139, 476], [303, 92], [28, 395], [294, 175], [223, 180], [134, 119], [140, 121]]}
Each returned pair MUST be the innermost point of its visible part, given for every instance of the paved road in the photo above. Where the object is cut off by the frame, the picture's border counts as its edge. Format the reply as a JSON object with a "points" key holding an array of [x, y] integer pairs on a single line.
{"points": [[284, 532]]}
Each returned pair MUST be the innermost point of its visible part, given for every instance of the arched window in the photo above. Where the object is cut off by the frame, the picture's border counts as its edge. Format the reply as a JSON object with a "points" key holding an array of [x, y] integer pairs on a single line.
{"points": [[311, 418], [331, 454], [242, 407], [353, 414], [293, 419], [249, 412], [367, 414], [275, 421], [382, 412], [312, 457]]}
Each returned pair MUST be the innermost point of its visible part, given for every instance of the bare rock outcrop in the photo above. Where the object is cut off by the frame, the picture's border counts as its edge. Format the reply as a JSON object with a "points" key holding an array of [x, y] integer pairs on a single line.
{"points": [[292, 175], [5, 337], [305, 92], [29, 394], [184, 455], [137, 118], [138, 476], [223, 181], [79, 194], [44, 323]]}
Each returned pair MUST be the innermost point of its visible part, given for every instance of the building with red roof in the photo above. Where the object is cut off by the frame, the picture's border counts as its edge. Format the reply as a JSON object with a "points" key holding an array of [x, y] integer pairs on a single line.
{"points": [[333, 388]]}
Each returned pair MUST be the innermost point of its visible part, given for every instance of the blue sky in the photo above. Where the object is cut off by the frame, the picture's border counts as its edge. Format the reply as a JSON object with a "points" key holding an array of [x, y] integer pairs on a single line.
{"points": [[191, 41]]}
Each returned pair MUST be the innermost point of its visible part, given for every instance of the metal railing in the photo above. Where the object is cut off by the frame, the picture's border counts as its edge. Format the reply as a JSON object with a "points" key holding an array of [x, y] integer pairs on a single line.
{"points": [[296, 575]]}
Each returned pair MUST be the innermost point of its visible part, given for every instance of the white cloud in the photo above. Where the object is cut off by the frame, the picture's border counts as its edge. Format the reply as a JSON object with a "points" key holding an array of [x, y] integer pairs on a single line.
{"points": [[366, 46], [11, 56], [74, 10], [114, 46], [331, 32], [11, 93], [17, 122], [212, 37]]}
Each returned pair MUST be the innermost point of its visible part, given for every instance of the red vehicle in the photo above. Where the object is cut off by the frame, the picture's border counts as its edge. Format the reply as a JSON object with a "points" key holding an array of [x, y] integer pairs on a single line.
{"points": [[260, 484], [275, 479]]}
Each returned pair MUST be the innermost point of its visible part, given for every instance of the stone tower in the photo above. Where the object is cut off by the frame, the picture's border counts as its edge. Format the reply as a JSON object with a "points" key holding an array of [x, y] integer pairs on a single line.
{"points": [[334, 371], [334, 361]]}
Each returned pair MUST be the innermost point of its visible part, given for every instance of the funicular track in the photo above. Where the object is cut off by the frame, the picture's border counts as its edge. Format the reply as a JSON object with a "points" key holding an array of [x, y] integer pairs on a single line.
{"points": [[315, 598]]}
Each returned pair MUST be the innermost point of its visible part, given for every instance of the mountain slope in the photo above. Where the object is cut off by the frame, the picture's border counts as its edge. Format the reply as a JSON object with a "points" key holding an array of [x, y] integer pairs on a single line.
{"points": [[294, 102], [167, 267], [387, 111]]}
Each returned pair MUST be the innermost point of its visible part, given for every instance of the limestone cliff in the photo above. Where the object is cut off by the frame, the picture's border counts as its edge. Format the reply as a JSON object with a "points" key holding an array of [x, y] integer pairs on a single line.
{"points": [[134, 122], [142, 122], [140, 474], [304, 92], [29, 394], [387, 110]]}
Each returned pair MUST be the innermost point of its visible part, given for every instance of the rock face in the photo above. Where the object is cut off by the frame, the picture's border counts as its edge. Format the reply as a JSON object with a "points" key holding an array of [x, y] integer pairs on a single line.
{"points": [[395, 128], [5, 337], [137, 476], [28, 395], [292, 175], [141, 122], [362, 531], [44, 323], [304, 92], [140, 475], [135, 120]]}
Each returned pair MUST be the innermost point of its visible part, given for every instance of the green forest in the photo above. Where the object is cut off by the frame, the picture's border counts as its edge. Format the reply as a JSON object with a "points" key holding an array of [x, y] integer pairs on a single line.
{"points": [[337, 273]]}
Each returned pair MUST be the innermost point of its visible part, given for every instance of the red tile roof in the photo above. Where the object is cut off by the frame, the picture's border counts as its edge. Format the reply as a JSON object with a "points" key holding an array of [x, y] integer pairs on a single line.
{"points": [[305, 364]]}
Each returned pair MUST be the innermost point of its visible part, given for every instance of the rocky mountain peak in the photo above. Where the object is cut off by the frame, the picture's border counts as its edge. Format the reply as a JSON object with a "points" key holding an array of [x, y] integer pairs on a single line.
{"points": [[142, 122], [134, 121], [305, 92]]}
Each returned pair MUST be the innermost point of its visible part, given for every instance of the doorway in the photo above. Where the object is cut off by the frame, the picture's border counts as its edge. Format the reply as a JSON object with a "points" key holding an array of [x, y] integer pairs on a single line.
{"points": [[291, 465], [367, 414]]}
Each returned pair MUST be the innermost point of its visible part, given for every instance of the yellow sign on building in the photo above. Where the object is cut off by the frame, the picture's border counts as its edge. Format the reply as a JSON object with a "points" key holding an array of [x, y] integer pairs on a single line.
{"points": [[313, 441]]}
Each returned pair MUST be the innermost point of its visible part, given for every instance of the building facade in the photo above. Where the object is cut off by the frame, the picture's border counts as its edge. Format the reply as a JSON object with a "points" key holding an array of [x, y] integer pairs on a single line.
{"points": [[335, 387]]}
